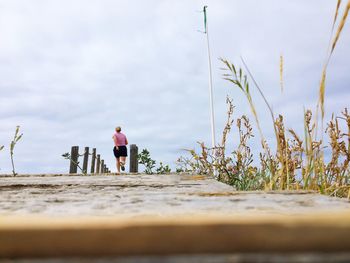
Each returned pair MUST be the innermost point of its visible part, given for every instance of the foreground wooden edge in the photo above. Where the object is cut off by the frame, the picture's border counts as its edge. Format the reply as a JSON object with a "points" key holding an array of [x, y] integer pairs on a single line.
{"points": [[149, 235]]}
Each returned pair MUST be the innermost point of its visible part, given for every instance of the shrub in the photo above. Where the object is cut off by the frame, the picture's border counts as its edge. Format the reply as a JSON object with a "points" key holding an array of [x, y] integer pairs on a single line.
{"points": [[145, 159]]}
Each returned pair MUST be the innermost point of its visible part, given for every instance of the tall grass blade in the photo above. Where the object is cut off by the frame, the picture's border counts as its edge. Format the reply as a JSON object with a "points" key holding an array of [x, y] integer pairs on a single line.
{"points": [[260, 91], [322, 91], [336, 12], [320, 103], [341, 25], [281, 73]]}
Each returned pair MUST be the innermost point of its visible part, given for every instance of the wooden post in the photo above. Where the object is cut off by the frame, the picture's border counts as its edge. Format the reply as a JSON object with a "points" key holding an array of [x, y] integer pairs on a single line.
{"points": [[85, 161], [105, 168], [98, 164], [74, 154], [102, 166], [93, 160], [133, 158]]}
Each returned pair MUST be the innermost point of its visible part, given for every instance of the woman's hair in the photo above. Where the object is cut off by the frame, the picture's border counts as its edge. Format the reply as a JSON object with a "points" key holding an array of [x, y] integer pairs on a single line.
{"points": [[118, 129]]}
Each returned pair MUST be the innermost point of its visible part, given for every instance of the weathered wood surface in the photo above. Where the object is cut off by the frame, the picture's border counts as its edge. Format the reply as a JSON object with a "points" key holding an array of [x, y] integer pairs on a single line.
{"points": [[137, 195], [98, 163], [133, 158], [74, 159], [173, 235], [93, 160], [86, 159], [101, 216]]}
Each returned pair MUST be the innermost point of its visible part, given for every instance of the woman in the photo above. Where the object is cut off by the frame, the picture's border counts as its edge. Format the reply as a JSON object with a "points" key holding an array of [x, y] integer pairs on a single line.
{"points": [[120, 151]]}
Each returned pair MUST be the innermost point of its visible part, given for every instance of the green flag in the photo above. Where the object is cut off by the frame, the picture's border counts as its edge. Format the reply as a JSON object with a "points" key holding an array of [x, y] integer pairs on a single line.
{"points": [[205, 18]]}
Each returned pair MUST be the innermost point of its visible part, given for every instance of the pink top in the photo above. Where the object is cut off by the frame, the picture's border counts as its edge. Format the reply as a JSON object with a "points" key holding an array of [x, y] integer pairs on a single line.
{"points": [[119, 139]]}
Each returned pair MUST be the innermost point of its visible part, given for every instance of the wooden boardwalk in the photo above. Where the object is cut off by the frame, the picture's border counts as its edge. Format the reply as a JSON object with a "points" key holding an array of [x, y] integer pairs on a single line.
{"points": [[83, 216]]}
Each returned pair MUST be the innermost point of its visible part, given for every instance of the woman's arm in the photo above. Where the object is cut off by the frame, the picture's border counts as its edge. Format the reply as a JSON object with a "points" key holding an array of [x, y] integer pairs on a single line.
{"points": [[126, 141], [115, 141]]}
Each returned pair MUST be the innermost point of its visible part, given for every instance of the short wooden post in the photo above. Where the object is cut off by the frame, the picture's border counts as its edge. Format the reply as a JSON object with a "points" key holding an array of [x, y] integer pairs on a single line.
{"points": [[105, 168], [93, 160], [74, 154], [85, 161], [134, 167], [98, 163], [102, 166]]}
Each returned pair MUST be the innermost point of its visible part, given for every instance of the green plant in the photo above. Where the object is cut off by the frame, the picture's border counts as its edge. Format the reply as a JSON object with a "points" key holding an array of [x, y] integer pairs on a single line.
{"points": [[16, 138], [163, 169], [144, 158]]}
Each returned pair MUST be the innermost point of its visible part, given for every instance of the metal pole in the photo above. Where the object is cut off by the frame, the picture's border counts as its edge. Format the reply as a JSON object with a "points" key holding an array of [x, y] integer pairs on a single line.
{"points": [[212, 120]]}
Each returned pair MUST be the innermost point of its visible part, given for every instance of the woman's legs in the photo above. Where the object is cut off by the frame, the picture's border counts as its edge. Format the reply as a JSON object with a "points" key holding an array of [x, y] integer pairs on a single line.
{"points": [[118, 165], [122, 160]]}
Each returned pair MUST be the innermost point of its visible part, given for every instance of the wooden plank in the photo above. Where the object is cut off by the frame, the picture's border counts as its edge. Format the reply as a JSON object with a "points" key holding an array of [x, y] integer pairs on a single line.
{"points": [[250, 233]]}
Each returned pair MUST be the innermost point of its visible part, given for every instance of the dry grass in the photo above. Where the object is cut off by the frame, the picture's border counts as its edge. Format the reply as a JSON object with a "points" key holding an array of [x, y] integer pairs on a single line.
{"points": [[322, 88], [297, 162], [241, 81], [281, 73], [341, 24], [296, 165]]}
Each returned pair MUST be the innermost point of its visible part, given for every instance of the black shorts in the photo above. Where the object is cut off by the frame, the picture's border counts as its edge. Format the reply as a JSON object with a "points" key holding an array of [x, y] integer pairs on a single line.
{"points": [[122, 151]]}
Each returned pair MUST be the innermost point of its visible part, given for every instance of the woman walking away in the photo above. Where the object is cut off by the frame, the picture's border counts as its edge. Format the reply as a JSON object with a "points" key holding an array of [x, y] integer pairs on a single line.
{"points": [[120, 151]]}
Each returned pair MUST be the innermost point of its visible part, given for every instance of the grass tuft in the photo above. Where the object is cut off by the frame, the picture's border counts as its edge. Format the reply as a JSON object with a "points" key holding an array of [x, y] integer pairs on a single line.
{"points": [[296, 163]]}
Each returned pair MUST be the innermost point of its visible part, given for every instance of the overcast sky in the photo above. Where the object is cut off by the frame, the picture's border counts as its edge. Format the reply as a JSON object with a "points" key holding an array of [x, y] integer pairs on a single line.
{"points": [[73, 70]]}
